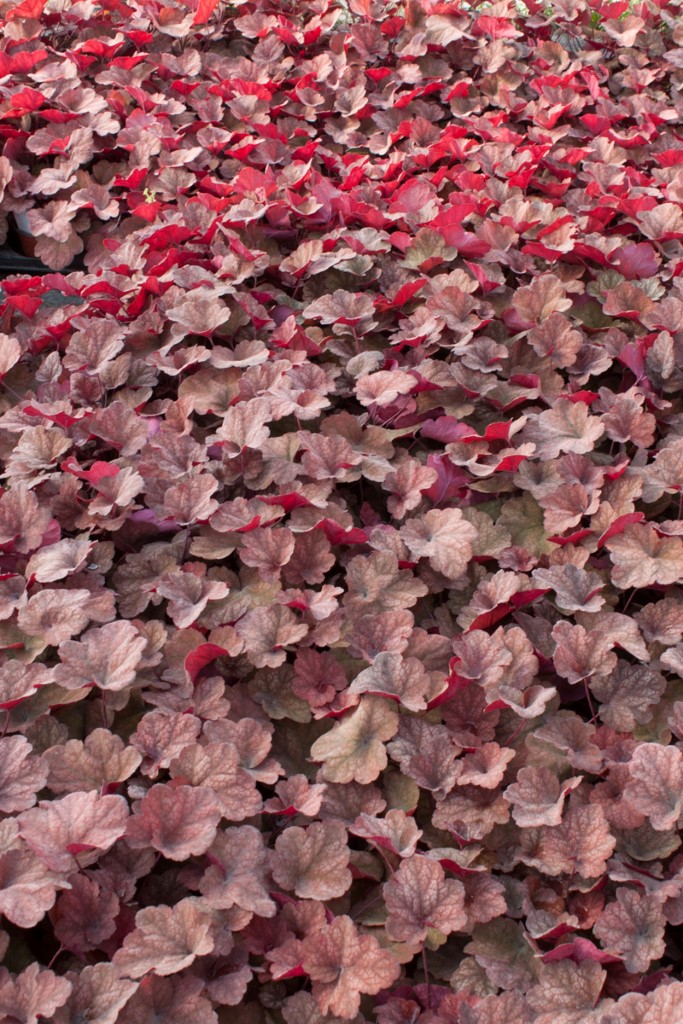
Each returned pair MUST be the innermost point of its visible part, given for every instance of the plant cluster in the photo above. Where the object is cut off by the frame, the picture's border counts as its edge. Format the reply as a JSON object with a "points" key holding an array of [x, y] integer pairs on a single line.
{"points": [[341, 520]]}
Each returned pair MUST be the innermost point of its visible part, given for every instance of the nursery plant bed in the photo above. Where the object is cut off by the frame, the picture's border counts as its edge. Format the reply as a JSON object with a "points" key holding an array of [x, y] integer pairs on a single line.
{"points": [[341, 513]]}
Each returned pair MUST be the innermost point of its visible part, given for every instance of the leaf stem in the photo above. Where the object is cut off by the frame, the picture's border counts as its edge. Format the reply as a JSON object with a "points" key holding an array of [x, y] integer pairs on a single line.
{"points": [[386, 860], [514, 734], [58, 953], [186, 545], [425, 968], [594, 714], [365, 905]]}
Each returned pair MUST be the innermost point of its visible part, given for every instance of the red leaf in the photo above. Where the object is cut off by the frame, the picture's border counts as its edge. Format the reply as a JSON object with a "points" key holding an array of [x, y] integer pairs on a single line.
{"points": [[27, 9], [619, 525], [202, 656]]}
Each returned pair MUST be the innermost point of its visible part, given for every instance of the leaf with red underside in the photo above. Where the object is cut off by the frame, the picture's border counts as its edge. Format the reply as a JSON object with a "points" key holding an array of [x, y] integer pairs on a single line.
{"points": [[580, 654], [55, 615], [56, 561], [216, 767], [574, 588], [97, 994], [640, 557], [188, 595], [341, 307], [343, 964], [318, 677], [580, 845], [18, 682], [384, 387], [637, 260], [420, 897], [202, 656], [427, 754], [85, 915], [22, 775], [567, 427], [296, 796], [619, 525], [267, 549], [36, 992], [28, 888], [656, 786], [391, 675], [313, 862], [494, 599], [396, 831], [443, 537], [26, 9], [160, 737], [267, 632], [578, 950], [23, 521], [97, 471], [205, 9], [190, 501], [633, 928], [353, 750], [165, 940], [178, 821], [449, 224], [537, 797], [486, 766], [201, 313], [79, 824], [336, 534], [236, 876], [106, 657], [175, 999], [566, 992]]}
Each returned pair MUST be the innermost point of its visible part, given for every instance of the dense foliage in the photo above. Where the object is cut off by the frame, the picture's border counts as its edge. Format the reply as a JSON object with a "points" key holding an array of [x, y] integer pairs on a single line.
{"points": [[341, 527]]}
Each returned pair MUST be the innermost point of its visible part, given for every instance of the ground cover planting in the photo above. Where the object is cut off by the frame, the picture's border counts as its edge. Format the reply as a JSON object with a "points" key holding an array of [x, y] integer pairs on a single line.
{"points": [[341, 513]]}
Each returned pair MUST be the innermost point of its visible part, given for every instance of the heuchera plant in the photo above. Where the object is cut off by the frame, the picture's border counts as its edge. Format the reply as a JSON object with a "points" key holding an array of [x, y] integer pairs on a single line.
{"points": [[341, 518]]}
